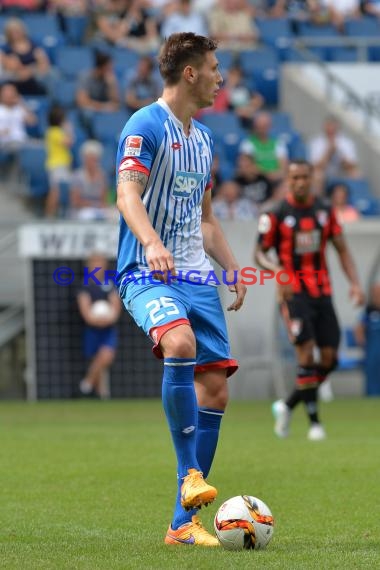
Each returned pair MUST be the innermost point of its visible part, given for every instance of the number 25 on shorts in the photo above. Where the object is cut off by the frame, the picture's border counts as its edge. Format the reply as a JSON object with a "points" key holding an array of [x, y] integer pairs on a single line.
{"points": [[160, 308]]}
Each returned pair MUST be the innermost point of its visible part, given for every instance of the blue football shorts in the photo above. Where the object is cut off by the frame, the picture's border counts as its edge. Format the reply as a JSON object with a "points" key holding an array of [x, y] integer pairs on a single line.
{"points": [[157, 308], [96, 338]]}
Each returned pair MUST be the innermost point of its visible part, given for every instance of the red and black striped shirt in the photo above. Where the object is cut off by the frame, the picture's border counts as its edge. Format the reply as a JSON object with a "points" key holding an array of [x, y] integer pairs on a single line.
{"points": [[299, 234]]}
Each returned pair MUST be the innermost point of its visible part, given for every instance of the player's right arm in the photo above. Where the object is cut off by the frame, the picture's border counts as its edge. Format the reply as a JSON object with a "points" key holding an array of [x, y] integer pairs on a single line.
{"points": [[267, 230], [130, 187]]}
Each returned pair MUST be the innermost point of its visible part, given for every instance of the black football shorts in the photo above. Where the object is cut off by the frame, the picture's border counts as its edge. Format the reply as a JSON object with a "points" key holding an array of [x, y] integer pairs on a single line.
{"points": [[311, 318]]}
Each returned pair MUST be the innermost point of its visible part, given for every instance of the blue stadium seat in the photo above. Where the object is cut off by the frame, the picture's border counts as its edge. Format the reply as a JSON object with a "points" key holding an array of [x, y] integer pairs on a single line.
{"points": [[281, 122], [276, 33], [45, 31], [221, 123], [350, 356], [3, 20], [267, 84], [108, 126], [226, 58], [227, 132], [322, 31], [297, 148], [73, 60], [295, 56], [360, 195], [124, 61], [367, 206], [40, 25], [64, 92], [262, 65], [362, 27], [308, 30], [32, 163], [365, 28], [75, 28], [39, 104], [257, 60], [344, 54], [358, 187]]}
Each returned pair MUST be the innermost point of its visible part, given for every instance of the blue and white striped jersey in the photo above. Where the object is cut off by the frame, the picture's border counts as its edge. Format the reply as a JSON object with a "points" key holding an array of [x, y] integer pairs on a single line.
{"points": [[178, 170]]}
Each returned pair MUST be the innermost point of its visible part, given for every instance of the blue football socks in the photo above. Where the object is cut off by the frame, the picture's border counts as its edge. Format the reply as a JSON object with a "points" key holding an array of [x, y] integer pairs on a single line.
{"points": [[209, 421], [207, 438], [180, 405]]}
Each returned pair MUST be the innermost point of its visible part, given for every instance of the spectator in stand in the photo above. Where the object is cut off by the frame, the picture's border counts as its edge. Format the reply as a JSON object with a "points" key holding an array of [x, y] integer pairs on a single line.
{"points": [[204, 6], [230, 205], [14, 6], [98, 90], [27, 64], [333, 155], [344, 212], [269, 153], [256, 187], [341, 10], [143, 88], [232, 25], [184, 18], [127, 24], [58, 142], [235, 95], [14, 118], [372, 7], [297, 9], [69, 7], [89, 184]]}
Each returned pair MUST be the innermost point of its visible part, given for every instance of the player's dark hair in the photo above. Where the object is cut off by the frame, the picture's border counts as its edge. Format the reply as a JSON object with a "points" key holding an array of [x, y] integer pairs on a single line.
{"points": [[56, 116], [180, 50], [300, 162], [101, 59]]}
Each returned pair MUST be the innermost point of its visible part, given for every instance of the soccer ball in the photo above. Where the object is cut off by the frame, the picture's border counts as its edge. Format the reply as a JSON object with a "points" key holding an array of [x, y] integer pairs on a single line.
{"points": [[244, 522], [101, 309]]}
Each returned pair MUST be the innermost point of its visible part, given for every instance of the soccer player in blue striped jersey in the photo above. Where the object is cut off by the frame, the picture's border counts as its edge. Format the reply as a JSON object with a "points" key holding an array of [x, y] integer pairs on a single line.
{"points": [[167, 227]]}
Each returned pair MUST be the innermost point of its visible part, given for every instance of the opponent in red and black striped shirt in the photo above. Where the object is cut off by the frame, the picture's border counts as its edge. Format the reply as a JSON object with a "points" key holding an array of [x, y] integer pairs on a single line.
{"points": [[298, 229]]}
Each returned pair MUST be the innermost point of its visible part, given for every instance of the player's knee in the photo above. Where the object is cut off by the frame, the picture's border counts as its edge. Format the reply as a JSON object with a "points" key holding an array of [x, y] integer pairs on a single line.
{"points": [[306, 360], [213, 392], [221, 399], [179, 343], [106, 356], [329, 363]]}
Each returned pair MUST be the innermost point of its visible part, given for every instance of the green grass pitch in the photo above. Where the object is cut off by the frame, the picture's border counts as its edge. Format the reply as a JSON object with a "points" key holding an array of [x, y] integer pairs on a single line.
{"points": [[90, 485]]}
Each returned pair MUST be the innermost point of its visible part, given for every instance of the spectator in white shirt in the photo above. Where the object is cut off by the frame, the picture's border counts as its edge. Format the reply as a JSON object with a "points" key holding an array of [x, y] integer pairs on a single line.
{"points": [[14, 117], [184, 19], [229, 205], [333, 155], [341, 10], [372, 7]]}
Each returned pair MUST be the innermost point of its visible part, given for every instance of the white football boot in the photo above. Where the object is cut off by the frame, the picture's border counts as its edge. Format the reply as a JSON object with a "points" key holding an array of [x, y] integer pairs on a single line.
{"points": [[316, 433], [281, 414]]}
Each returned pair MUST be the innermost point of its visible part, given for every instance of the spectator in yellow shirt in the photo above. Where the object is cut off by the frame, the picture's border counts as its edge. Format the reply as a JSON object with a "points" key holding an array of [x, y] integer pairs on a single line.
{"points": [[58, 143]]}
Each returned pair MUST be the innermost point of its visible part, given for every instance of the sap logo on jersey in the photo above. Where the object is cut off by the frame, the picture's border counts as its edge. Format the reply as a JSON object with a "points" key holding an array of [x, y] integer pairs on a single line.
{"points": [[186, 182]]}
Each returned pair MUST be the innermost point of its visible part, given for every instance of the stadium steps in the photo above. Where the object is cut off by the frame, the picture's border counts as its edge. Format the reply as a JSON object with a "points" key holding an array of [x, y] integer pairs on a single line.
{"points": [[12, 215], [11, 323]]}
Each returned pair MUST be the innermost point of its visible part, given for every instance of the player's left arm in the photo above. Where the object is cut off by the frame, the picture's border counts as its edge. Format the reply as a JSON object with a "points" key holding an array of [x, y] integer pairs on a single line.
{"points": [[115, 303], [216, 246], [348, 265]]}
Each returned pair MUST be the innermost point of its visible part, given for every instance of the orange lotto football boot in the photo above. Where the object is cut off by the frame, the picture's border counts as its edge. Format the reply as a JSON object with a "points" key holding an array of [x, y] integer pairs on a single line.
{"points": [[195, 492], [192, 533]]}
